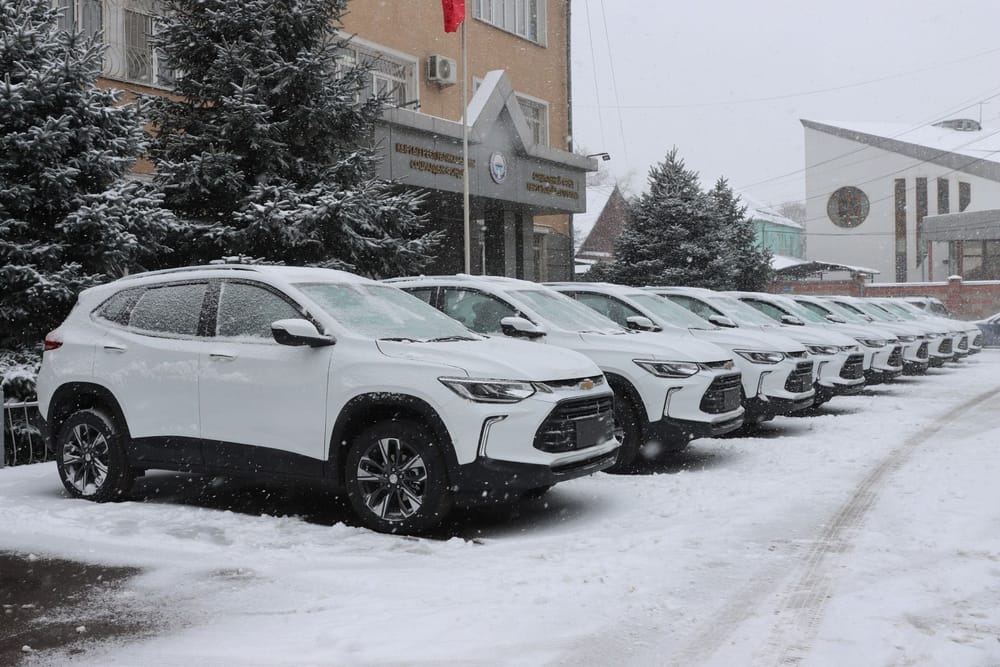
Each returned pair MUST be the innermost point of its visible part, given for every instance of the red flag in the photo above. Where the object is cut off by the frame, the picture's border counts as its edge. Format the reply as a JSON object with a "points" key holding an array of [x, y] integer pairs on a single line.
{"points": [[454, 14]]}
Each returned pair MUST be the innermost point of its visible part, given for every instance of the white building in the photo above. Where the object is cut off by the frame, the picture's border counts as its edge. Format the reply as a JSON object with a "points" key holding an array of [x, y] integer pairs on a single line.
{"points": [[869, 186]]}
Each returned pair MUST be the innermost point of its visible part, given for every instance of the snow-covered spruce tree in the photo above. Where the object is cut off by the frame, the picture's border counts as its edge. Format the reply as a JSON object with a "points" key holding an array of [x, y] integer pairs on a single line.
{"points": [[267, 149], [67, 219], [751, 264], [672, 238]]}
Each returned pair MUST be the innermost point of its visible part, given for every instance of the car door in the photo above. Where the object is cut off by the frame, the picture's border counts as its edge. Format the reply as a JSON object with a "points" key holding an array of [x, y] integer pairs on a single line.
{"points": [[263, 405], [148, 357]]}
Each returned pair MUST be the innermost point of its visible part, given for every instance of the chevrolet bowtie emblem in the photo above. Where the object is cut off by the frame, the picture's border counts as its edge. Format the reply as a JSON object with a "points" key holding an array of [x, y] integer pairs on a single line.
{"points": [[587, 384], [729, 365]]}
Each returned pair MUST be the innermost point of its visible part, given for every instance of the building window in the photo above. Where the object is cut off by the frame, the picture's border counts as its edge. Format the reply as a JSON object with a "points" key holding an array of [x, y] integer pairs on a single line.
{"points": [[525, 18], [848, 207], [79, 16], [130, 26], [390, 75], [536, 112]]}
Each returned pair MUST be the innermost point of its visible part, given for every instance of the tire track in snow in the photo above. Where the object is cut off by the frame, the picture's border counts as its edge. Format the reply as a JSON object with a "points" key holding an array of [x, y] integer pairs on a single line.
{"points": [[802, 606]]}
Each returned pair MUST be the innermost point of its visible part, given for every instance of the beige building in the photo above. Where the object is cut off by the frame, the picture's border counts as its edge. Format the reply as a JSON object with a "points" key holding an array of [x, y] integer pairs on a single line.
{"points": [[525, 183]]}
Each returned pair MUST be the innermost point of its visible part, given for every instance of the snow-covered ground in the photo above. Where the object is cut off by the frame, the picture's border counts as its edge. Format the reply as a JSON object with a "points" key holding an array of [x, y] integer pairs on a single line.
{"points": [[866, 535]]}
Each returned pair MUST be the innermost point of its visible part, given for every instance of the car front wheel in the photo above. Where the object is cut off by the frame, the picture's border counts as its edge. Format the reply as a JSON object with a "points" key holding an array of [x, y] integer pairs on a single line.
{"points": [[90, 457], [397, 480]]}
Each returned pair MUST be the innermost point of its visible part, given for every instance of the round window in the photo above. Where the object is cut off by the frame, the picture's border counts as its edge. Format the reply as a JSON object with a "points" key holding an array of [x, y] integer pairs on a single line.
{"points": [[848, 207]]}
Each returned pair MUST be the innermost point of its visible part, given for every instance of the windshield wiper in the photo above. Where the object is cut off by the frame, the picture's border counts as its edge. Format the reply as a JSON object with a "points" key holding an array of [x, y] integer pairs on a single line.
{"points": [[403, 339], [446, 339]]}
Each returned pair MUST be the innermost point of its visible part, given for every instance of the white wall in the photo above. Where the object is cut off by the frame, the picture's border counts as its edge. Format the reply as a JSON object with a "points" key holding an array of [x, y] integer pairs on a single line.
{"points": [[840, 162]]}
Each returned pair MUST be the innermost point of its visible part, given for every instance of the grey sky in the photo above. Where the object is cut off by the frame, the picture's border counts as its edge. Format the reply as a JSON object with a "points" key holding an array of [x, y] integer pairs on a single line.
{"points": [[685, 72]]}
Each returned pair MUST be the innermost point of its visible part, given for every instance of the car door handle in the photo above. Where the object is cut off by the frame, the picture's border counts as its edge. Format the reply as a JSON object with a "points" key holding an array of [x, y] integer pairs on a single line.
{"points": [[114, 347], [222, 356]]}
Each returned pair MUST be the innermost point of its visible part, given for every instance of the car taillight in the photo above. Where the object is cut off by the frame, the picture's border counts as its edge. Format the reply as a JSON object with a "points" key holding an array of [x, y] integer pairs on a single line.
{"points": [[52, 343]]}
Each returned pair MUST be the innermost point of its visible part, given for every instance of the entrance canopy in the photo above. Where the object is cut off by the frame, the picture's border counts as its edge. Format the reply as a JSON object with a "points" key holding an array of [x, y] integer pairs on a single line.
{"points": [[970, 226], [792, 267], [505, 163]]}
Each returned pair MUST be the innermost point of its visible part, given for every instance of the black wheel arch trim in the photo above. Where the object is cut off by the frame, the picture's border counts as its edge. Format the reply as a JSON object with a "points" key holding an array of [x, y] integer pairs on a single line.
{"points": [[616, 381], [70, 397], [374, 406]]}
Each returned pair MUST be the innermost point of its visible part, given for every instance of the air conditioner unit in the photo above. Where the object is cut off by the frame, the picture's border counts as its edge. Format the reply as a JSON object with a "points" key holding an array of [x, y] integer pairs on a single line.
{"points": [[441, 70]]}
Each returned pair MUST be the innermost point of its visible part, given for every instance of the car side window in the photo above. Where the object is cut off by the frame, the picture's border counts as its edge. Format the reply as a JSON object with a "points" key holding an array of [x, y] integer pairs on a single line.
{"points": [[611, 308], [118, 308], [480, 312], [699, 308], [425, 294], [247, 311], [771, 311], [171, 309]]}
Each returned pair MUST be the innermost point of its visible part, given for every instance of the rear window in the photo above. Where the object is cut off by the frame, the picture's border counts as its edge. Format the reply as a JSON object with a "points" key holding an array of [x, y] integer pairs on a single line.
{"points": [[118, 307], [171, 309]]}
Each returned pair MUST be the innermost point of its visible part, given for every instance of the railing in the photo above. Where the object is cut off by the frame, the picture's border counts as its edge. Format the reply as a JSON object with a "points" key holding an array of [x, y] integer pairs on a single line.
{"points": [[22, 437]]}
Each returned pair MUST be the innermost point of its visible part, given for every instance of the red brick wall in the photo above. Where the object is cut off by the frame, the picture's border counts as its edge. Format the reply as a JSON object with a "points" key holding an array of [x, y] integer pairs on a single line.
{"points": [[970, 300]]}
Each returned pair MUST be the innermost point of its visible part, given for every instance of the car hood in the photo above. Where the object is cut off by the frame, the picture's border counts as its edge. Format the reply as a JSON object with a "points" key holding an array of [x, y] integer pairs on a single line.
{"points": [[651, 345], [747, 339], [499, 358]]}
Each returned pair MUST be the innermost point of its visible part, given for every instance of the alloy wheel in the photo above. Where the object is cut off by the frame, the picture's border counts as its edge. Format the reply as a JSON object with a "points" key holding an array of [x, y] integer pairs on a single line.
{"points": [[85, 458], [393, 479]]}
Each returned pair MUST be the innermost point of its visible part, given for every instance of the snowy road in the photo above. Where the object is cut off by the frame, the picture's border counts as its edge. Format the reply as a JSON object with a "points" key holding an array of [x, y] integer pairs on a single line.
{"points": [[868, 534]]}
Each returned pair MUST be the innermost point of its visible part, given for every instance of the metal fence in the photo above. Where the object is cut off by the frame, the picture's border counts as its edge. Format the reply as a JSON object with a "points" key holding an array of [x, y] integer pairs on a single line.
{"points": [[22, 438]]}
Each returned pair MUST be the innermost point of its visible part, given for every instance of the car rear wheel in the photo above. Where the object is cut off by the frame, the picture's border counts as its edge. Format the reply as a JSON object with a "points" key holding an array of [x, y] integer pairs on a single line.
{"points": [[397, 480], [91, 459]]}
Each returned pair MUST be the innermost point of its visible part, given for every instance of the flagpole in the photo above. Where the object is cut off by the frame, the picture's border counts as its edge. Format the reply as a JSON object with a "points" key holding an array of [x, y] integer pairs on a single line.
{"points": [[465, 146]]}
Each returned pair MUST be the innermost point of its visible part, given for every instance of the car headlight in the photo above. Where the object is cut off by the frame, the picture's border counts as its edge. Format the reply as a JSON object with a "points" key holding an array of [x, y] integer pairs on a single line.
{"points": [[907, 339], [822, 349], [489, 391], [871, 342], [761, 356], [668, 369]]}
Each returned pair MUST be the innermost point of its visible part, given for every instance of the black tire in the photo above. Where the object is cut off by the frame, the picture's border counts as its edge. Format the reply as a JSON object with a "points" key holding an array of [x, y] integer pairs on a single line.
{"points": [[91, 459], [405, 490], [628, 430]]}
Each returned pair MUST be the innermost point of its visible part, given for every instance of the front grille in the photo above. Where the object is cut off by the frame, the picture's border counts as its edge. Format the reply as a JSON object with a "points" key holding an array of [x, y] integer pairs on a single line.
{"points": [[801, 379], [896, 358], [945, 347], [560, 431], [978, 340], [797, 355], [573, 383], [922, 351], [718, 365], [723, 395], [963, 343], [854, 367]]}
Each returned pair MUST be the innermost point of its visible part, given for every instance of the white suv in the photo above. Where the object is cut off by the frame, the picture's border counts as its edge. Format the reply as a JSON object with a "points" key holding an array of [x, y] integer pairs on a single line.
{"points": [[666, 392], [753, 352], [299, 373]]}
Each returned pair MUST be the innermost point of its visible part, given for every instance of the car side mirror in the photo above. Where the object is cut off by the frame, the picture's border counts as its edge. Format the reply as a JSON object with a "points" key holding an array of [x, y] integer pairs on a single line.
{"points": [[519, 327], [641, 323], [299, 332], [791, 319], [722, 321], [836, 319]]}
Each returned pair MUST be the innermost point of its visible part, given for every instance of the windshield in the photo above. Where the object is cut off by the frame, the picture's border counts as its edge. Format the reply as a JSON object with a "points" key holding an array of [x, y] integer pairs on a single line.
{"points": [[565, 313], [384, 312], [740, 313], [670, 312], [876, 312], [896, 309], [848, 314], [801, 312]]}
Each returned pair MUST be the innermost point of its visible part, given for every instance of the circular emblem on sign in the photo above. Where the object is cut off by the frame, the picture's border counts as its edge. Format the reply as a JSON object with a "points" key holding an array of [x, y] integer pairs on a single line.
{"points": [[848, 207], [498, 167]]}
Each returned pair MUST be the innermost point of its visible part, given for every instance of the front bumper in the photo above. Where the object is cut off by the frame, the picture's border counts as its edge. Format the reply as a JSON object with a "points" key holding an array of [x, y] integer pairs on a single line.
{"points": [[762, 409], [840, 375], [486, 480], [674, 434]]}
